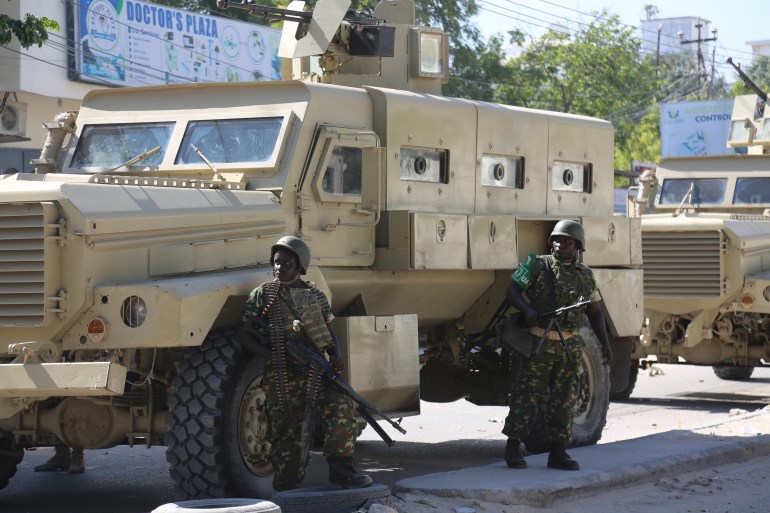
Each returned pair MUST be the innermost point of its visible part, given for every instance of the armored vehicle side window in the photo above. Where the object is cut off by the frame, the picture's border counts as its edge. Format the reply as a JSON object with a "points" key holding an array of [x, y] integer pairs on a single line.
{"points": [[502, 172], [424, 165], [112, 145], [705, 191], [752, 191], [343, 172], [230, 140], [571, 176]]}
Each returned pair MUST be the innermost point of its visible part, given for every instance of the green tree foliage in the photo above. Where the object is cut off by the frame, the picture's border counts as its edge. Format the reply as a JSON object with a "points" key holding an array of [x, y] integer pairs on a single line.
{"points": [[30, 30], [595, 70]]}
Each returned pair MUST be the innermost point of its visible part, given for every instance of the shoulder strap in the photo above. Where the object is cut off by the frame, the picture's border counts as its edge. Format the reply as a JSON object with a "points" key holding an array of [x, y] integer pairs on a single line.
{"points": [[549, 278]]}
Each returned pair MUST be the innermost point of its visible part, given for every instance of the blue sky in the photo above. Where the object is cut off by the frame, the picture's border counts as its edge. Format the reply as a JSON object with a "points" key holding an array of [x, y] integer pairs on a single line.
{"points": [[737, 21]]}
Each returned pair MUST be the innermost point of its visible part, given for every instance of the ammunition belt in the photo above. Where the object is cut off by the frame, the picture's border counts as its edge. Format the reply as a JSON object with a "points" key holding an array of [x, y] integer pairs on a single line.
{"points": [[552, 335], [313, 386], [277, 341]]}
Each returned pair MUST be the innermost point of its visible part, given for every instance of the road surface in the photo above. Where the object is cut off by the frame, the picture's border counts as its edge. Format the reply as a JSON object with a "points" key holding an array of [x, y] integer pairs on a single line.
{"points": [[445, 437]]}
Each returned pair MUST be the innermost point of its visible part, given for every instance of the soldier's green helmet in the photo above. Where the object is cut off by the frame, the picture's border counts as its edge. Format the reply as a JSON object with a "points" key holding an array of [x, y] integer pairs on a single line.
{"points": [[571, 229], [296, 246]]}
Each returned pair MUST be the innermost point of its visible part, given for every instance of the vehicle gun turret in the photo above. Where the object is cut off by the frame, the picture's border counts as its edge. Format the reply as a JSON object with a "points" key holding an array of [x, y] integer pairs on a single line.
{"points": [[385, 49], [749, 124]]}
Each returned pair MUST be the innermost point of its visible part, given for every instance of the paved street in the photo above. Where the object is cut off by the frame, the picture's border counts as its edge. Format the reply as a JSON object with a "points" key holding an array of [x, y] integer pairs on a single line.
{"points": [[445, 437]]}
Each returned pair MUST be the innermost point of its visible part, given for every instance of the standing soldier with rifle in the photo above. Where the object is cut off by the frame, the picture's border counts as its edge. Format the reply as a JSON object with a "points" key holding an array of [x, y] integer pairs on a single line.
{"points": [[552, 282], [296, 309]]}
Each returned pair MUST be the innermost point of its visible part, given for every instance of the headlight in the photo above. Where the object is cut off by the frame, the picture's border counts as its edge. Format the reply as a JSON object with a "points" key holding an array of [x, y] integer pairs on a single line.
{"points": [[133, 312]]}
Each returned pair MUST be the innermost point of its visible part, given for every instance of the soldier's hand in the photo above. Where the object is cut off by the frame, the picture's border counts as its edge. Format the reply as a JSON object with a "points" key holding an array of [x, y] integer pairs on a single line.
{"points": [[337, 364]]}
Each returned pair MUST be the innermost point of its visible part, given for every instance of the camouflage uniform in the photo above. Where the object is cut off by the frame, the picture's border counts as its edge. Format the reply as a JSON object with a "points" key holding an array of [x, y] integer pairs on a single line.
{"points": [[304, 302], [551, 366]]}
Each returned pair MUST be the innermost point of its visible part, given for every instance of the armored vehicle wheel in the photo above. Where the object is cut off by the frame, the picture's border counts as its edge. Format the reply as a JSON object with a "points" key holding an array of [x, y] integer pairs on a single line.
{"points": [[633, 374], [217, 422], [331, 500], [733, 373], [10, 457], [592, 404], [219, 506]]}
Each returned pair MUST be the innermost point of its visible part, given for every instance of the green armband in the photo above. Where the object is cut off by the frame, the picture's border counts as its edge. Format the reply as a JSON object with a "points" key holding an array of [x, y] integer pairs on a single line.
{"points": [[522, 276]]}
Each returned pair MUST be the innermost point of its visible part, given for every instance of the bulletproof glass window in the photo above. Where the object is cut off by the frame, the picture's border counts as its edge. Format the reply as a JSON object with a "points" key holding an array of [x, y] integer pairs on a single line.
{"points": [[343, 171], [741, 133], [112, 145], [695, 191], [422, 165], [571, 176], [752, 191], [227, 141], [502, 172], [762, 135]]}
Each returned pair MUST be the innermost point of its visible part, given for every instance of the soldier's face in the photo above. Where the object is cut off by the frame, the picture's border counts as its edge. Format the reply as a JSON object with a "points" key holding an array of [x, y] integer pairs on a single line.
{"points": [[564, 247], [285, 265]]}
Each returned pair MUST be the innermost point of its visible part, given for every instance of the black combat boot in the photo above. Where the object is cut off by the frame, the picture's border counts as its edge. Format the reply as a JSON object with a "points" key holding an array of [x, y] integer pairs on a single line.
{"points": [[558, 458], [61, 460], [513, 457], [342, 474], [77, 465]]}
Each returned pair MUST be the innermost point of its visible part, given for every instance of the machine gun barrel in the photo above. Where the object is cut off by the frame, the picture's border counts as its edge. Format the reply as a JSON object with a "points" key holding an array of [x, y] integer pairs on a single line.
{"points": [[267, 12], [746, 80], [305, 355], [302, 353]]}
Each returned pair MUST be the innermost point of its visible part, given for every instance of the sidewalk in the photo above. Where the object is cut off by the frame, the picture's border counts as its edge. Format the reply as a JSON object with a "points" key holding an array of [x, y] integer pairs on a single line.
{"points": [[603, 467]]}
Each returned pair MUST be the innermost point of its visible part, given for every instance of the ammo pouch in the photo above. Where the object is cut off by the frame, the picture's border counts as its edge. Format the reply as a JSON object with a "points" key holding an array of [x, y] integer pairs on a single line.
{"points": [[513, 336]]}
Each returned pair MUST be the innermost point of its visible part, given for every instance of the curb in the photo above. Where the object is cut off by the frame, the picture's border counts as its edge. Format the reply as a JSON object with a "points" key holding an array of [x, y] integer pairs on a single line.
{"points": [[616, 464]]}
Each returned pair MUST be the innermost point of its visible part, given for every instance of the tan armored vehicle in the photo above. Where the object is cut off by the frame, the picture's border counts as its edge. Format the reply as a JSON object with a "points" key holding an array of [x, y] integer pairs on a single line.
{"points": [[706, 251], [128, 255]]}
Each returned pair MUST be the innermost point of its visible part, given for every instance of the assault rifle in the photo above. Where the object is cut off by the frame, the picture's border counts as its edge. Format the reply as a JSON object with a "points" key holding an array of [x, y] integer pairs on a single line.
{"points": [[510, 334], [553, 321], [303, 354]]}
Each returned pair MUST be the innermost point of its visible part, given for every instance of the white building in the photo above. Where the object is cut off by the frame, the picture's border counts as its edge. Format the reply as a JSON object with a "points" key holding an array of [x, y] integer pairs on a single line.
{"points": [[670, 35], [759, 48]]}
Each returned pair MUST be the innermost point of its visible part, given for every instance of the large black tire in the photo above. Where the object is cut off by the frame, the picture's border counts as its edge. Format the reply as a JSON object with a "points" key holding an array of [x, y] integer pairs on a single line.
{"points": [[10, 457], [592, 404], [217, 423], [633, 374], [219, 506], [731, 372], [330, 500]]}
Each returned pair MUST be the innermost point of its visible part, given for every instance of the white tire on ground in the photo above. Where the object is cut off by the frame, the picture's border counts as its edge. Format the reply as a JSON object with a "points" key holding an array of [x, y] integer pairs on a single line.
{"points": [[219, 506]]}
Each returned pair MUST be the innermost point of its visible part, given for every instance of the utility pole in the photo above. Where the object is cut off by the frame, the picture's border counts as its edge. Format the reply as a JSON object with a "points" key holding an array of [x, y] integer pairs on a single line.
{"points": [[657, 50], [701, 63]]}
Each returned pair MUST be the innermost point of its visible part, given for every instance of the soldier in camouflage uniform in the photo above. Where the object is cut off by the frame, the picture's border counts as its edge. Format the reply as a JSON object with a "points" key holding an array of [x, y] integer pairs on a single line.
{"points": [[296, 308], [555, 365]]}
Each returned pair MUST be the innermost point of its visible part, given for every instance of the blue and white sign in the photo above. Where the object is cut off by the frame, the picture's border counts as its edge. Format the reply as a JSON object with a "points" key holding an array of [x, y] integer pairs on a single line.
{"points": [[691, 129], [132, 43]]}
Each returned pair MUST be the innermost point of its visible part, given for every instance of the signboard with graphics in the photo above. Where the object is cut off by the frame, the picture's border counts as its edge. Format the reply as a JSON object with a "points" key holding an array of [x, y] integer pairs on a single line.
{"points": [[132, 43], [689, 129]]}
